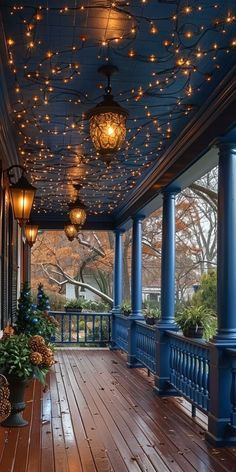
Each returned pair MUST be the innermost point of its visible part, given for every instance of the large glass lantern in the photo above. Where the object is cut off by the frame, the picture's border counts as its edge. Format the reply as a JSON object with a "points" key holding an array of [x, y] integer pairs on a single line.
{"points": [[31, 232], [71, 231], [78, 213], [107, 120], [22, 197]]}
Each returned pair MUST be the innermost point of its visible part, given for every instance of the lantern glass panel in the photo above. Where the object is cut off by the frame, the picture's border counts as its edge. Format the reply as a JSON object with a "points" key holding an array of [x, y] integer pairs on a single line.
{"points": [[108, 131]]}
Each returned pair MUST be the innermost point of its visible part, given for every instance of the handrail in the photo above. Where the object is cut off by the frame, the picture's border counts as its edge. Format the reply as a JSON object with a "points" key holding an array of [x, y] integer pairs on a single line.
{"points": [[189, 369], [83, 328]]}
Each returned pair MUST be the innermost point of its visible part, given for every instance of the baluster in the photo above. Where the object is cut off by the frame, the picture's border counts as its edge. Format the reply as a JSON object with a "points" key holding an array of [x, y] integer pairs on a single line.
{"points": [[109, 328], [100, 329], [178, 367], [62, 328], [172, 363], [196, 393], [85, 329], [93, 329], [233, 396], [204, 383], [188, 373], [184, 379], [200, 379], [181, 369], [191, 376], [77, 328], [69, 327]]}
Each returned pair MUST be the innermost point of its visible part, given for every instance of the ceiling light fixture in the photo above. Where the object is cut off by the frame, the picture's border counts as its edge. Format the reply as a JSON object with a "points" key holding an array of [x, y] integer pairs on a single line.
{"points": [[107, 120], [71, 231], [78, 211]]}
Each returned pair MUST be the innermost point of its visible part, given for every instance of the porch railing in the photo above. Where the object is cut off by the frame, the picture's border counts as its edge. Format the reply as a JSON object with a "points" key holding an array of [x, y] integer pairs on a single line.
{"points": [[121, 332], [146, 345], [189, 369], [83, 328]]}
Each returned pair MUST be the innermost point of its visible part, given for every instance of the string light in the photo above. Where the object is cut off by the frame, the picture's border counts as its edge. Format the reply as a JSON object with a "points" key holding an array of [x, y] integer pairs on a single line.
{"points": [[55, 146]]}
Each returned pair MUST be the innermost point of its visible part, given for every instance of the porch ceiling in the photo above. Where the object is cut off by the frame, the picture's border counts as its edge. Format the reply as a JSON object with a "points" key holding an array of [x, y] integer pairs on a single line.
{"points": [[171, 57]]}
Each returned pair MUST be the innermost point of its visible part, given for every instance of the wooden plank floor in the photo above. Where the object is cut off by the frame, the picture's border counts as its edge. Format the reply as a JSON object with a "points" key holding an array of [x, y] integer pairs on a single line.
{"points": [[100, 416]]}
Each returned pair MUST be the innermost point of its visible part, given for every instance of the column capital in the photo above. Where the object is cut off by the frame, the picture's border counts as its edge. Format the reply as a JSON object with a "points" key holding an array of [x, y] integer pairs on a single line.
{"points": [[225, 146], [138, 216], [170, 192], [119, 230]]}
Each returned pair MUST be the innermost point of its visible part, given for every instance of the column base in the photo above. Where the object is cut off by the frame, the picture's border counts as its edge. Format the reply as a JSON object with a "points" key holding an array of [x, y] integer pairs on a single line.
{"points": [[113, 346], [162, 388], [132, 363], [226, 439]]}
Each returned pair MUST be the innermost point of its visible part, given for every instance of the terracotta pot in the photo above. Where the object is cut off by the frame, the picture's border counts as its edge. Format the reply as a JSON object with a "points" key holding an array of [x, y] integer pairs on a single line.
{"points": [[17, 392], [192, 332]]}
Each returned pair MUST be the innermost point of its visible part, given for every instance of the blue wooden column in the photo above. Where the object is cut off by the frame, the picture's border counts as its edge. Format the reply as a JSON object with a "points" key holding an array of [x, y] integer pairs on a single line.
{"points": [[118, 271], [136, 289], [167, 321], [220, 433], [117, 281]]}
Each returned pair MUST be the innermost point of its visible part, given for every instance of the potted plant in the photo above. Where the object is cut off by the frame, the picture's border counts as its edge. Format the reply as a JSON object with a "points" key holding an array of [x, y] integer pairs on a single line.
{"points": [[196, 321], [22, 358], [126, 308], [151, 315], [75, 306]]}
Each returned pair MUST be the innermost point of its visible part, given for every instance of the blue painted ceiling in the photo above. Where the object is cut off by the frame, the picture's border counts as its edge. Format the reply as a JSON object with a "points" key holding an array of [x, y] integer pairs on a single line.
{"points": [[170, 55]]}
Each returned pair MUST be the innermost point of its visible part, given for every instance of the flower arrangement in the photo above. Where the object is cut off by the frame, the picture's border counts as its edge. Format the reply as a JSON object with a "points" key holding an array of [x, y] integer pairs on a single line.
{"points": [[25, 357]]}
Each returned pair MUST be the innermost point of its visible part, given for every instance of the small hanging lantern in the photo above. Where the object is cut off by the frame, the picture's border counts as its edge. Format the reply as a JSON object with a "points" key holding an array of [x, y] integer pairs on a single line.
{"points": [[22, 195], [78, 211], [31, 232], [107, 120], [71, 231]]}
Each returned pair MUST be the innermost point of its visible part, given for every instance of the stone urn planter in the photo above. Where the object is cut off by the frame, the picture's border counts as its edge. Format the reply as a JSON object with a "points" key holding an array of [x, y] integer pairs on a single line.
{"points": [[17, 392]]}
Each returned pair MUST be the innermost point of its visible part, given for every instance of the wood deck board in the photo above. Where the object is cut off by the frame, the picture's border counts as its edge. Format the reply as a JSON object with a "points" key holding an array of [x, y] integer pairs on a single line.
{"points": [[99, 416]]}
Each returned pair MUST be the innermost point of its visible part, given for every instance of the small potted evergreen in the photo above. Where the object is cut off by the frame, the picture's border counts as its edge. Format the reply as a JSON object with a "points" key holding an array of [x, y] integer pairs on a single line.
{"points": [[126, 308], [196, 321], [75, 306], [151, 315]]}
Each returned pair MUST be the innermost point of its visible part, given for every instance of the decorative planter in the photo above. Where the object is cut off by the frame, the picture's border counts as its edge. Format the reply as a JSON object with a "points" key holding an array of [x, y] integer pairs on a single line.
{"points": [[150, 321], [73, 310], [17, 391], [192, 332]]}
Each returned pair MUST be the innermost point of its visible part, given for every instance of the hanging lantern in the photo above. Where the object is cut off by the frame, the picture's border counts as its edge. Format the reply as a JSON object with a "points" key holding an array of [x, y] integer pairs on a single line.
{"points": [[71, 231], [31, 232], [22, 197], [107, 120], [78, 211]]}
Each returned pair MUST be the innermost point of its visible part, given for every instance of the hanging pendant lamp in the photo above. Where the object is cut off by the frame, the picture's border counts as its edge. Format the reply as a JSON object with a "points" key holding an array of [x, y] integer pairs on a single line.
{"points": [[71, 231], [78, 211], [107, 120]]}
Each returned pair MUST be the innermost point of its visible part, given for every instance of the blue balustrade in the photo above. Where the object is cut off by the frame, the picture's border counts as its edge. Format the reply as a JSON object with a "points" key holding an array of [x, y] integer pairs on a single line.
{"points": [[146, 345], [189, 369], [83, 328], [121, 339]]}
